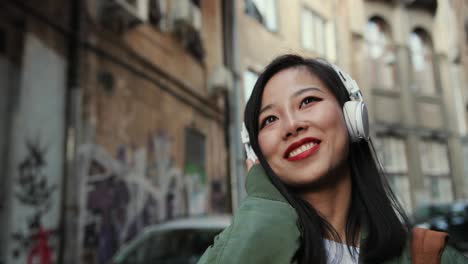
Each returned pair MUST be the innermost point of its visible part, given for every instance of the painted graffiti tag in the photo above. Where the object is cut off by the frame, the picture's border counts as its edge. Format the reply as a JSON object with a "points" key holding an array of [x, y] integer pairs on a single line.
{"points": [[33, 190], [138, 187]]}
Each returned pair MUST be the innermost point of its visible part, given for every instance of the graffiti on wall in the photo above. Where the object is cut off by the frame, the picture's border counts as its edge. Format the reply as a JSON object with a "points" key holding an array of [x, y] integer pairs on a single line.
{"points": [[138, 187], [33, 190]]}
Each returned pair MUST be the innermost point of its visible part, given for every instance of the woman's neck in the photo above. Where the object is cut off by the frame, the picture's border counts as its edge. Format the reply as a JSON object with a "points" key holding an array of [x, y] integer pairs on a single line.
{"points": [[333, 202]]}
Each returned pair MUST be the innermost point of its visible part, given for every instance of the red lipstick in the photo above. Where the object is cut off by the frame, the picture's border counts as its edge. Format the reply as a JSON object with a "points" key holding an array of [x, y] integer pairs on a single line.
{"points": [[305, 153]]}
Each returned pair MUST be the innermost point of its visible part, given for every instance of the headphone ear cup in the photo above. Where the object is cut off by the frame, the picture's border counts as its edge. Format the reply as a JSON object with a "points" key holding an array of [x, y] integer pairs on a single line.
{"points": [[357, 122], [364, 121]]}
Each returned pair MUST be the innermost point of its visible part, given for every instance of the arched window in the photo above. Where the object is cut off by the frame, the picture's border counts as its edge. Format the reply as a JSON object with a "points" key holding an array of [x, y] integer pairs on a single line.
{"points": [[381, 54], [421, 52]]}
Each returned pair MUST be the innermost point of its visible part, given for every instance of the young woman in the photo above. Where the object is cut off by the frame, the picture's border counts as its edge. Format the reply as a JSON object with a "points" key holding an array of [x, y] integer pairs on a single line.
{"points": [[318, 194]]}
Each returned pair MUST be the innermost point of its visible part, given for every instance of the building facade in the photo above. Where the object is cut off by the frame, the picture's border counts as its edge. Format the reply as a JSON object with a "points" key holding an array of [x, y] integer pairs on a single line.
{"points": [[119, 114], [115, 118], [407, 59], [410, 74], [32, 129], [461, 70]]}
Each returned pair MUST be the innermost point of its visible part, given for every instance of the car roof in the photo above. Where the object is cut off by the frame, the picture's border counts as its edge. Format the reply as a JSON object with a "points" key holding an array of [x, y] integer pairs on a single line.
{"points": [[202, 222]]}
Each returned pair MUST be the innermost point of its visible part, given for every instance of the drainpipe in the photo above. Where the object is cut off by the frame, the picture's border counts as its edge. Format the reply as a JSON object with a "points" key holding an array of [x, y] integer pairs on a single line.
{"points": [[237, 148], [68, 231], [236, 155]]}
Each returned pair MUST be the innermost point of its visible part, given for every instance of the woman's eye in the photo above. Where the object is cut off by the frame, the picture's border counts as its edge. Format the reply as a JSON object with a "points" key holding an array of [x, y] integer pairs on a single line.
{"points": [[309, 100], [268, 120]]}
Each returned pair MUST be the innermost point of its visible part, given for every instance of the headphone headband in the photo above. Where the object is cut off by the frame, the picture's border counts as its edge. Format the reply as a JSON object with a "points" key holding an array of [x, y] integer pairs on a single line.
{"points": [[349, 83]]}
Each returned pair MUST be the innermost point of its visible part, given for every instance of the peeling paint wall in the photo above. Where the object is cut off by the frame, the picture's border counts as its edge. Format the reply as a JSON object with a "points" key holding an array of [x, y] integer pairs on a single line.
{"points": [[155, 147], [36, 155]]}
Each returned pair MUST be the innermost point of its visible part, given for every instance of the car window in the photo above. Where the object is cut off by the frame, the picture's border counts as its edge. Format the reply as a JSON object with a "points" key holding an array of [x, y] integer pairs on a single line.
{"points": [[174, 246], [136, 256]]}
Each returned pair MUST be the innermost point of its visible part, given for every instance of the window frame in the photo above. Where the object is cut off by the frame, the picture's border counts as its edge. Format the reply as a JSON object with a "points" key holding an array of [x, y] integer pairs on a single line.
{"points": [[427, 50], [384, 64], [197, 161], [315, 16], [274, 29], [394, 175], [437, 176]]}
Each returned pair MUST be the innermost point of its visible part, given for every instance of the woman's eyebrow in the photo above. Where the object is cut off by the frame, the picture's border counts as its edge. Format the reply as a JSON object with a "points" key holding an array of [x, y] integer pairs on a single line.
{"points": [[267, 107], [304, 90]]}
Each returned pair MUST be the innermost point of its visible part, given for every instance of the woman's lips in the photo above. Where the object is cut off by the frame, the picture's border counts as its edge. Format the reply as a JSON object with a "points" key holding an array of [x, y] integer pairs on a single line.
{"points": [[304, 154], [302, 149]]}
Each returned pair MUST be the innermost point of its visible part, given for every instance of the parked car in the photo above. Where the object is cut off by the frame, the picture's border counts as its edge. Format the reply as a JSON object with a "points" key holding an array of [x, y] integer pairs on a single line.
{"points": [[180, 241], [451, 218]]}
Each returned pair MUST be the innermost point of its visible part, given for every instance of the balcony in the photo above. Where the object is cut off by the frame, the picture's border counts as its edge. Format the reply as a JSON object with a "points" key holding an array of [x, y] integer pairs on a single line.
{"points": [[429, 5]]}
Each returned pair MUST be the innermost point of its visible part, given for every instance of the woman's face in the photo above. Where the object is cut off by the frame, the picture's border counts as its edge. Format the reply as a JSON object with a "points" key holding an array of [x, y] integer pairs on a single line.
{"points": [[302, 131]]}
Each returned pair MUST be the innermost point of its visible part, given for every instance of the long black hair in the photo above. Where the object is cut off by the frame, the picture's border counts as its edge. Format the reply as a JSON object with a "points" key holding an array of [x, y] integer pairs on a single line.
{"points": [[374, 209]]}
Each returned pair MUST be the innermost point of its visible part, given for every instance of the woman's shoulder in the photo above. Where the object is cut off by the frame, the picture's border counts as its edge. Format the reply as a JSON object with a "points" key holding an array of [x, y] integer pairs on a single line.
{"points": [[262, 231]]}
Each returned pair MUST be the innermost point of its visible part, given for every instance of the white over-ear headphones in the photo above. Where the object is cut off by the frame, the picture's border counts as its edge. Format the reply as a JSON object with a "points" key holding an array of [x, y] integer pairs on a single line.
{"points": [[355, 111]]}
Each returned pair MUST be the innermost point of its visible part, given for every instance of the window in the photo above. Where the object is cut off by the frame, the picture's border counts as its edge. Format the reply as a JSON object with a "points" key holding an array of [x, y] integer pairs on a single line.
{"points": [[466, 31], [422, 62], [313, 32], [380, 54], [161, 12], [434, 160], [197, 3], [195, 154], [158, 10], [391, 152], [435, 166], [264, 11], [250, 78], [465, 154], [2, 41]]}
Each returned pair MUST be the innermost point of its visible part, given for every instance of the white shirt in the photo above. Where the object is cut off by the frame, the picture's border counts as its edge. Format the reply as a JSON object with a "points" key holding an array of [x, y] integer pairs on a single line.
{"points": [[339, 253]]}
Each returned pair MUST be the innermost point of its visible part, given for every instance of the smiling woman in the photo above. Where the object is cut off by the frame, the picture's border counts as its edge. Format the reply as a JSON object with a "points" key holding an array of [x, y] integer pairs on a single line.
{"points": [[302, 132], [318, 194]]}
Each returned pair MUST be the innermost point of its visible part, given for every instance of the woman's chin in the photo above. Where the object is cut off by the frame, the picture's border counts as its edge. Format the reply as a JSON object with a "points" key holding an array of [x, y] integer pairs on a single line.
{"points": [[313, 182]]}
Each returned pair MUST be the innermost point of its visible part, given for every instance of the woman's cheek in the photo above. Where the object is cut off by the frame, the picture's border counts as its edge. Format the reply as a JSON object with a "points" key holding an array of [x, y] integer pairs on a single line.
{"points": [[267, 144], [261, 143]]}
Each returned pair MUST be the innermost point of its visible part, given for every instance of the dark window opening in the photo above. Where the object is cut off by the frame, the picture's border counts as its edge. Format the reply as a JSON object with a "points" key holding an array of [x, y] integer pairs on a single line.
{"points": [[155, 12], [2, 41], [466, 30], [195, 154], [197, 3], [227, 9], [132, 2]]}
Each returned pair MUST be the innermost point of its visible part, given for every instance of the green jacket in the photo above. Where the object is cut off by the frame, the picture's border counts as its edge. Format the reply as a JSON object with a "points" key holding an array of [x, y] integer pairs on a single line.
{"points": [[264, 230]]}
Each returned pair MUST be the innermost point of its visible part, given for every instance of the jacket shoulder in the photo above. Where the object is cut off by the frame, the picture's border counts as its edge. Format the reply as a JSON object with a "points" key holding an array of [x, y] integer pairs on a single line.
{"points": [[451, 255], [262, 231]]}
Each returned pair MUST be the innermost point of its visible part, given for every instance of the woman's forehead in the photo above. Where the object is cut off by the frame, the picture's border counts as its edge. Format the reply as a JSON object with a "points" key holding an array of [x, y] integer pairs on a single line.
{"points": [[286, 83]]}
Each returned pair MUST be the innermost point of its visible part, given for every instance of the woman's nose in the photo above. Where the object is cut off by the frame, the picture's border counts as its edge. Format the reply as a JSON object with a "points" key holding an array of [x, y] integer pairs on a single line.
{"points": [[293, 127]]}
